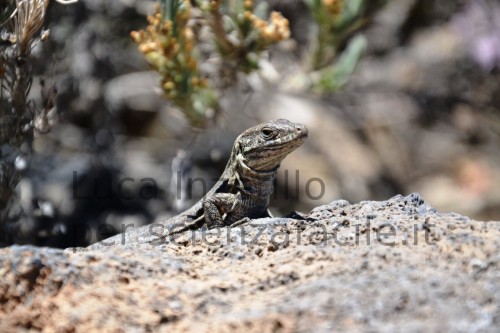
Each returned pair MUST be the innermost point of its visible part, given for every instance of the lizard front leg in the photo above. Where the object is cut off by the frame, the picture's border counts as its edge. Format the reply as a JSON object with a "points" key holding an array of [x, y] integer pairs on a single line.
{"points": [[217, 205]]}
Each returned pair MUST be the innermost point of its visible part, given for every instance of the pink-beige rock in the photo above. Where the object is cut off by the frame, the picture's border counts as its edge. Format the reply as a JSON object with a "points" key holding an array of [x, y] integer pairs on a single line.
{"points": [[395, 265]]}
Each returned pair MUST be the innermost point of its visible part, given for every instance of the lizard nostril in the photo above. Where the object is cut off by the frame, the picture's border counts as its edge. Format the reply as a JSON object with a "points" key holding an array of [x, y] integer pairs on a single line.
{"points": [[301, 130]]}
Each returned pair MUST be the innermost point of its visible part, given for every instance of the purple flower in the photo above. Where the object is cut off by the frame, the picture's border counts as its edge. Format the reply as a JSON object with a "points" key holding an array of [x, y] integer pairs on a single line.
{"points": [[479, 25]]}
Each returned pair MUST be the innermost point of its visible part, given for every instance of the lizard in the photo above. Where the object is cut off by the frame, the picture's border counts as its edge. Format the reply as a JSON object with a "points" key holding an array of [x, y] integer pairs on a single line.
{"points": [[243, 190]]}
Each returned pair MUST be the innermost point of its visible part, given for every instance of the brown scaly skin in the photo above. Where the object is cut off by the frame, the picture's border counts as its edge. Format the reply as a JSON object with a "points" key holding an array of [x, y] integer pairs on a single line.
{"points": [[240, 194]]}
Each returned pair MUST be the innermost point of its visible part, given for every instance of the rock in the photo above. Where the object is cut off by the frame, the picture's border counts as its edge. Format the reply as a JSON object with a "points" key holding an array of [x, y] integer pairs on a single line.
{"points": [[370, 266]]}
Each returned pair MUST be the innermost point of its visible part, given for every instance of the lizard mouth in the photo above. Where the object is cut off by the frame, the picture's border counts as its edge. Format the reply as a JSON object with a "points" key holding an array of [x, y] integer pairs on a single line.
{"points": [[297, 138]]}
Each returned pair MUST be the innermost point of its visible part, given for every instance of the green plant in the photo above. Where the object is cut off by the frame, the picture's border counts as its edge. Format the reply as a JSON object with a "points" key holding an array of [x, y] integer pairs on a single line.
{"points": [[337, 22], [200, 50], [237, 36]]}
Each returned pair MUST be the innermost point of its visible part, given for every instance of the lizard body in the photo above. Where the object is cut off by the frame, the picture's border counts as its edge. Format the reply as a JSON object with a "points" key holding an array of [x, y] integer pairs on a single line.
{"points": [[243, 190]]}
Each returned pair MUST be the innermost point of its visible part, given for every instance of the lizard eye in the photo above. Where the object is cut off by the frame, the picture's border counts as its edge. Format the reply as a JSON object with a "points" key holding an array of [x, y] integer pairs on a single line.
{"points": [[267, 133]]}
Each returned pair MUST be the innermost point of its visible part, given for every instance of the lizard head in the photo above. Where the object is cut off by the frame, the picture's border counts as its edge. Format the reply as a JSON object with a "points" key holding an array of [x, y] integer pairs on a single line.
{"points": [[263, 147]]}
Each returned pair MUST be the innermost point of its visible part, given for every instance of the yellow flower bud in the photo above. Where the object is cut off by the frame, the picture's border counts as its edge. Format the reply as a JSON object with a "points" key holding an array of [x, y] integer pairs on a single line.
{"points": [[188, 33], [214, 4], [248, 4], [169, 85], [191, 63], [248, 15], [334, 7], [136, 36], [147, 47]]}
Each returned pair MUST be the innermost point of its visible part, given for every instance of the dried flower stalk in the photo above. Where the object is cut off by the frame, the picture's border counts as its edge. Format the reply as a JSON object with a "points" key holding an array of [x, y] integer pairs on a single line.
{"points": [[21, 29]]}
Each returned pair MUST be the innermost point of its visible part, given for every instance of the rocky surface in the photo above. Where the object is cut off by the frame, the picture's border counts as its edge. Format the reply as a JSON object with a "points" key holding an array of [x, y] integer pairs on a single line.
{"points": [[394, 265]]}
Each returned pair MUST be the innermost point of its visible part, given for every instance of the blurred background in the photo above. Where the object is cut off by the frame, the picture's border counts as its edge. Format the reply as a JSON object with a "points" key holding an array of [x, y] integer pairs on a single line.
{"points": [[407, 101]]}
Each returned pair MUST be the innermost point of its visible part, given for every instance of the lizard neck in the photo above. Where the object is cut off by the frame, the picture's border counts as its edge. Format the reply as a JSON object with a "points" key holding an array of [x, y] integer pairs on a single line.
{"points": [[251, 182], [248, 173]]}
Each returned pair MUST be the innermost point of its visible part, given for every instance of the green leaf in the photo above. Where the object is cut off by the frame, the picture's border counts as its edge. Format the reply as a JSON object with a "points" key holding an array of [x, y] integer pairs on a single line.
{"points": [[352, 10], [261, 10], [353, 7], [334, 77]]}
